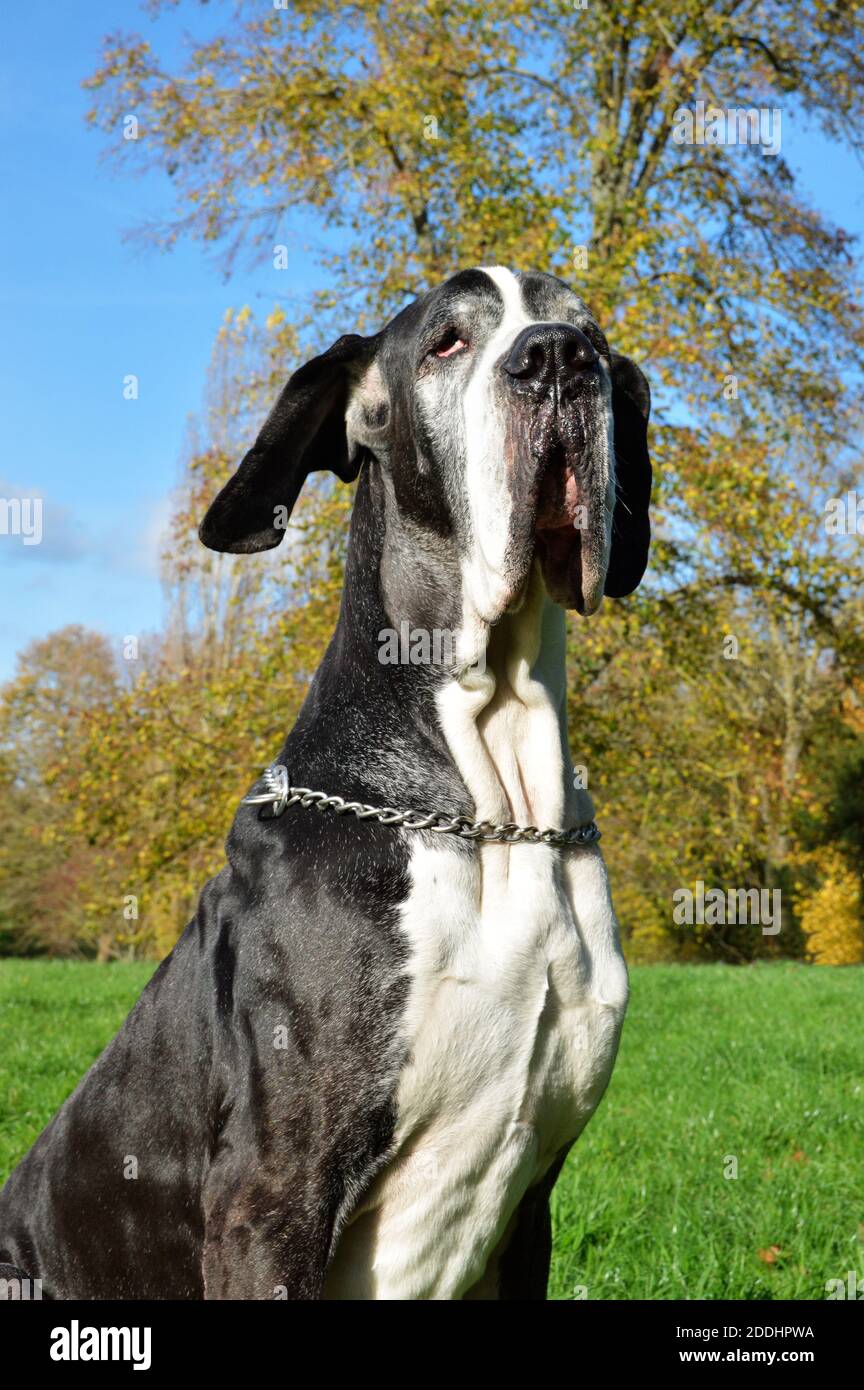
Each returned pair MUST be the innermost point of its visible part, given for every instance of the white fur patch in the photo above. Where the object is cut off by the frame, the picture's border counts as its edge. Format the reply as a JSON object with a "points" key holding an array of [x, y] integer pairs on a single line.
{"points": [[518, 989], [489, 498]]}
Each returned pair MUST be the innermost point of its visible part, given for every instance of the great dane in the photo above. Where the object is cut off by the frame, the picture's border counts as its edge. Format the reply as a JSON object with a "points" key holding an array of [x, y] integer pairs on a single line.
{"points": [[358, 1073]]}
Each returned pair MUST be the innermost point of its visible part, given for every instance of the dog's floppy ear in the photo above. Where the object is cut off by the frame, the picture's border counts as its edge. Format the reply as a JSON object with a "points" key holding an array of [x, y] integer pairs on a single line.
{"points": [[631, 527], [304, 433]]}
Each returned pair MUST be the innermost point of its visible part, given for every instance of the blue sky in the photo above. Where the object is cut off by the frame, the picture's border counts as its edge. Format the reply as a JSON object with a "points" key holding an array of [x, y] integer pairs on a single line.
{"points": [[82, 308]]}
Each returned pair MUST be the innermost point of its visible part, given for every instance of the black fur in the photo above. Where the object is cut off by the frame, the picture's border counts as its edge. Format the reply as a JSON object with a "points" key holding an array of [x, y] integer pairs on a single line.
{"points": [[631, 526]]}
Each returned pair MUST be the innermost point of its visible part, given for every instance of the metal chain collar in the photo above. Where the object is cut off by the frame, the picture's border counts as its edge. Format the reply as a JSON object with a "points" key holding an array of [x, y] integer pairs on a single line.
{"points": [[280, 795]]}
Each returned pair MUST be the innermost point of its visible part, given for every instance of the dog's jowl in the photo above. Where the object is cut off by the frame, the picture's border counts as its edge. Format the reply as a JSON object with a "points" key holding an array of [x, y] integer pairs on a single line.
{"points": [[359, 1072]]}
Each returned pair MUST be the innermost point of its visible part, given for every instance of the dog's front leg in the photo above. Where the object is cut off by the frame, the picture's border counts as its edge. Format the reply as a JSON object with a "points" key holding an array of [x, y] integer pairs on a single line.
{"points": [[263, 1240], [518, 1269]]}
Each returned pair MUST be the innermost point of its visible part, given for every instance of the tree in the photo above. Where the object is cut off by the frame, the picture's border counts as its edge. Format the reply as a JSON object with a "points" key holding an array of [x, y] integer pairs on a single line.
{"points": [[210, 702], [831, 916], [422, 138], [62, 691]]}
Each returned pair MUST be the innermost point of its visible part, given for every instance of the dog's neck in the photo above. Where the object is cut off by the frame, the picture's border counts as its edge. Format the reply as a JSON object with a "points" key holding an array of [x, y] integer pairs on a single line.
{"points": [[505, 721], [499, 721]]}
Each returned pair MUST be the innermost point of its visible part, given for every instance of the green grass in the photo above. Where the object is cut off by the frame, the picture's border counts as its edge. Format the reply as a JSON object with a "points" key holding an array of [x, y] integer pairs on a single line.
{"points": [[55, 1018], [762, 1064]]}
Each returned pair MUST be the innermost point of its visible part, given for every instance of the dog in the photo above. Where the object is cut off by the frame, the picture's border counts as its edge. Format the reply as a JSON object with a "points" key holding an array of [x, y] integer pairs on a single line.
{"points": [[358, 1073]]}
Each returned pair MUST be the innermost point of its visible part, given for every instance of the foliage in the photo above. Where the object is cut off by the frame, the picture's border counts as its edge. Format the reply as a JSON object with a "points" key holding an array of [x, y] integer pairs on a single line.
{"points": [[716, 709], [66, 685], [831, 916]]}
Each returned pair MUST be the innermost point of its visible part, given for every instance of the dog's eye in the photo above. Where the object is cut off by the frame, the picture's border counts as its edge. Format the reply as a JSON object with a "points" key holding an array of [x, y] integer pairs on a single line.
{"points": [[450, 344]]}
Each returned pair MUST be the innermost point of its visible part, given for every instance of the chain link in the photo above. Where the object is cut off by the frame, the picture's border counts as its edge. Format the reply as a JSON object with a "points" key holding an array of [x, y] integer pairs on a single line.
{"points": [[280, 795]]}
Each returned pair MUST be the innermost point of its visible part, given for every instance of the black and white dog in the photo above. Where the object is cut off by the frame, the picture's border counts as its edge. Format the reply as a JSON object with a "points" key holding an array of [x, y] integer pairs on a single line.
{"points": [[359, 1071]]}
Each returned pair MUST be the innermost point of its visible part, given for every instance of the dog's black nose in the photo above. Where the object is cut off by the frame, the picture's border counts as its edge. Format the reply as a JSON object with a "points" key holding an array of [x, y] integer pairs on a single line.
{"points": [[549, 350]]}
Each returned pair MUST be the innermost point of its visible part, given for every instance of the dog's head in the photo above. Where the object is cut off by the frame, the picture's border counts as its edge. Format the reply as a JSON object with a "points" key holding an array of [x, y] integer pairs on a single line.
{"points": [[503, 425]]}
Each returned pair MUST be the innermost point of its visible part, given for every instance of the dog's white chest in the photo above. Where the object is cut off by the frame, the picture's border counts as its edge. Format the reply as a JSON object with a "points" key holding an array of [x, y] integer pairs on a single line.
{"points": [[511, 1029]]}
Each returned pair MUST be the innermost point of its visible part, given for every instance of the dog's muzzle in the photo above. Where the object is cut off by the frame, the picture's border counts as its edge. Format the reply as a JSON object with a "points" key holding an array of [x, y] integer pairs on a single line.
{"points": [[549, 355], [552, 376]]}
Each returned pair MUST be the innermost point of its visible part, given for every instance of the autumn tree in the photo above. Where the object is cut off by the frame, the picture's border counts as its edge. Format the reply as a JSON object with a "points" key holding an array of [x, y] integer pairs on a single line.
{"points": [[63, 690], [412, 140], [208, 704]]}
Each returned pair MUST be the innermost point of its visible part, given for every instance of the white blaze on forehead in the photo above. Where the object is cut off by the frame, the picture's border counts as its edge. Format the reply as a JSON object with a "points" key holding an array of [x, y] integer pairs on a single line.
{"points": [[489, 500], [508, 285]]}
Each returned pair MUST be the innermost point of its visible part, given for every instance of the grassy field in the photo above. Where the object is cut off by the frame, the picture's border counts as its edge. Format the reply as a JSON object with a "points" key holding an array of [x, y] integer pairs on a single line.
{"points": [[760, 1069]]}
